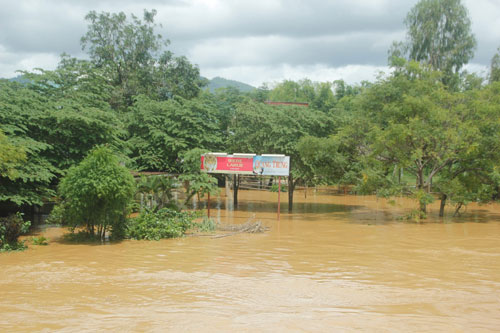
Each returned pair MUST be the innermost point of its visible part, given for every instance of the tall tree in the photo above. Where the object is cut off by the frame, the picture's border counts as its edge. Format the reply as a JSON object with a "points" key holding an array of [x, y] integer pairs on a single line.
{"points": [[475, 176], [418, 125], [438, 34], [136, 60], [30, 182], [495, 67], [74, 80], [75, 115], [54, 119], [263, 129], [160, 130], [319, 95]]}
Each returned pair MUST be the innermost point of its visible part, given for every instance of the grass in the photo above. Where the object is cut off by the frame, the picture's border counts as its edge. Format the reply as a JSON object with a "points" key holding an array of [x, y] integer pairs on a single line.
{"points": [[39, 240]]}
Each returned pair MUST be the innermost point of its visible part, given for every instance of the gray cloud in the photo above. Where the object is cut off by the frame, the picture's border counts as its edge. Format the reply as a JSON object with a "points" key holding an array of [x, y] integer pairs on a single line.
{"points": [[291, 18], [334, 50], [293, 37]]}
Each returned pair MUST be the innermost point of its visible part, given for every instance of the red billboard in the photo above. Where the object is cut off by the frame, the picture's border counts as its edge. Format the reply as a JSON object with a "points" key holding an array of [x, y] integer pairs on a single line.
{"points": [[246, 164], [226, 164]]}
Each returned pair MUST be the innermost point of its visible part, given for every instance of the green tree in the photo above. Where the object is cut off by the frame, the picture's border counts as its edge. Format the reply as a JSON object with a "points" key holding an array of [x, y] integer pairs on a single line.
{"points": [[418, 125], [74, 81], [75, 115], [324, 98], [263, 129], [160, 130], [288, 91], [342, 89], [135, 60], [31, 184], [226, 101], [323, 159], [438, 34], [495, 67], [319, 95], [10, 158], [261, 94], [157, 191], [73, 130], [474, 175], [96, 194], [195, 181], [11, 227]]}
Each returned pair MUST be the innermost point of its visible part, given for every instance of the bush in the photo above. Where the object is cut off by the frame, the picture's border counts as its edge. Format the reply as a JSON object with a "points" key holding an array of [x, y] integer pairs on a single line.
{"points": [[39, 240], [155, 225], [275, 187], [11, 228], [207, 225], [96, 194]]}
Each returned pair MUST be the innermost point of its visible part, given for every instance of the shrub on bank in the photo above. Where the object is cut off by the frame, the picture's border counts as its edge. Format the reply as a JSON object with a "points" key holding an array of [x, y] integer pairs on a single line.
{"points": [[96, 195], [155, 225], [11, 227], [275, 187]]}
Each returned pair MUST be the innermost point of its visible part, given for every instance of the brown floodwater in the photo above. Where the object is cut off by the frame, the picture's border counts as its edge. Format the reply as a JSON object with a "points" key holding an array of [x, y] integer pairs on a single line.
{"points": [[337, 264]]}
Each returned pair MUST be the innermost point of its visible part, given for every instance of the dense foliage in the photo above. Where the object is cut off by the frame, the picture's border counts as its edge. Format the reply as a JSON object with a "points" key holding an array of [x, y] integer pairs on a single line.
{"points": [[426, 129], [195, 181], [160, 131], [11, 227], [159, 224], [96, 194], [439, 35], [135, 60], [25, 183]]}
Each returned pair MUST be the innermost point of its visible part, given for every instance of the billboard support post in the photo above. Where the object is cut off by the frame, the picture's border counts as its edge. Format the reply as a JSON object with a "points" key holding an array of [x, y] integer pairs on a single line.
{"points": [[279, 196], [208, 205], [235, 190]]}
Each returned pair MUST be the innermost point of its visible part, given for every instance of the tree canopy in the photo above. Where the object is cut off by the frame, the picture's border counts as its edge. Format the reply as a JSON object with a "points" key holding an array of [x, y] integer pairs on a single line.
{"points": [[135, 59], [96, 193], [425, 129], [438, 34]]}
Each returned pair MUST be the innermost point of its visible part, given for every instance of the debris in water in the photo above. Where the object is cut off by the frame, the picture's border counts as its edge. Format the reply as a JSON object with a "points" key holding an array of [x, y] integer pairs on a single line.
{"points": [[248, 227]]}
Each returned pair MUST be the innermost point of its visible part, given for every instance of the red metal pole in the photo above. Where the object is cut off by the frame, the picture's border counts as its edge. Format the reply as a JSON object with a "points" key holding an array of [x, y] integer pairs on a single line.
{"points": [[208, 205], [279, 196]]}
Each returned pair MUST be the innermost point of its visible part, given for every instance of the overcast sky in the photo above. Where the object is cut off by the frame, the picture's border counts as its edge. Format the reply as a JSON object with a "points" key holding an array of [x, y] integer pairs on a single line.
{"points": [[253, 41]]}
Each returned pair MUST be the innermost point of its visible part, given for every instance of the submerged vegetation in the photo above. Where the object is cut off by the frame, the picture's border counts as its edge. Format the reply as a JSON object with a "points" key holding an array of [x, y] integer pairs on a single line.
{"points": [[426, 130], [11, 227], [156, 225]]}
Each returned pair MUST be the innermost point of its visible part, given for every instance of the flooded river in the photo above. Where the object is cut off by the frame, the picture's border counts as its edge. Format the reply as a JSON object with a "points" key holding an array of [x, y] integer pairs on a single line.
{"points": [[337, 264]]}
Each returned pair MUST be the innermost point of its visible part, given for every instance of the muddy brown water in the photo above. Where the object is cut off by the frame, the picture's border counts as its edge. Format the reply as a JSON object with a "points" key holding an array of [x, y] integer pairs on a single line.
{"points": [[337, 264]]}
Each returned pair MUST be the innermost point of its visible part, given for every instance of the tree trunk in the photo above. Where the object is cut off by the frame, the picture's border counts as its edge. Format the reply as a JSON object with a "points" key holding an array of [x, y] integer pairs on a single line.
{"points": [[443, 203], [235, 190], [457, 210], [423, 207], [420, 186], [291, 187]]}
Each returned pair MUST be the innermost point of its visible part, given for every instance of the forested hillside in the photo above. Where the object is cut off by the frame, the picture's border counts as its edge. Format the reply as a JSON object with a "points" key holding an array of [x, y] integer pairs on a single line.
{"points": [[219, 82]]}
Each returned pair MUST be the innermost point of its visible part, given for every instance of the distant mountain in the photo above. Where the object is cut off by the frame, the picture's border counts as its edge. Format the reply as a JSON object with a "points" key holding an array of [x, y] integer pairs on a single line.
{"points": [[215, 83], [219, 82], [19, 79]]}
